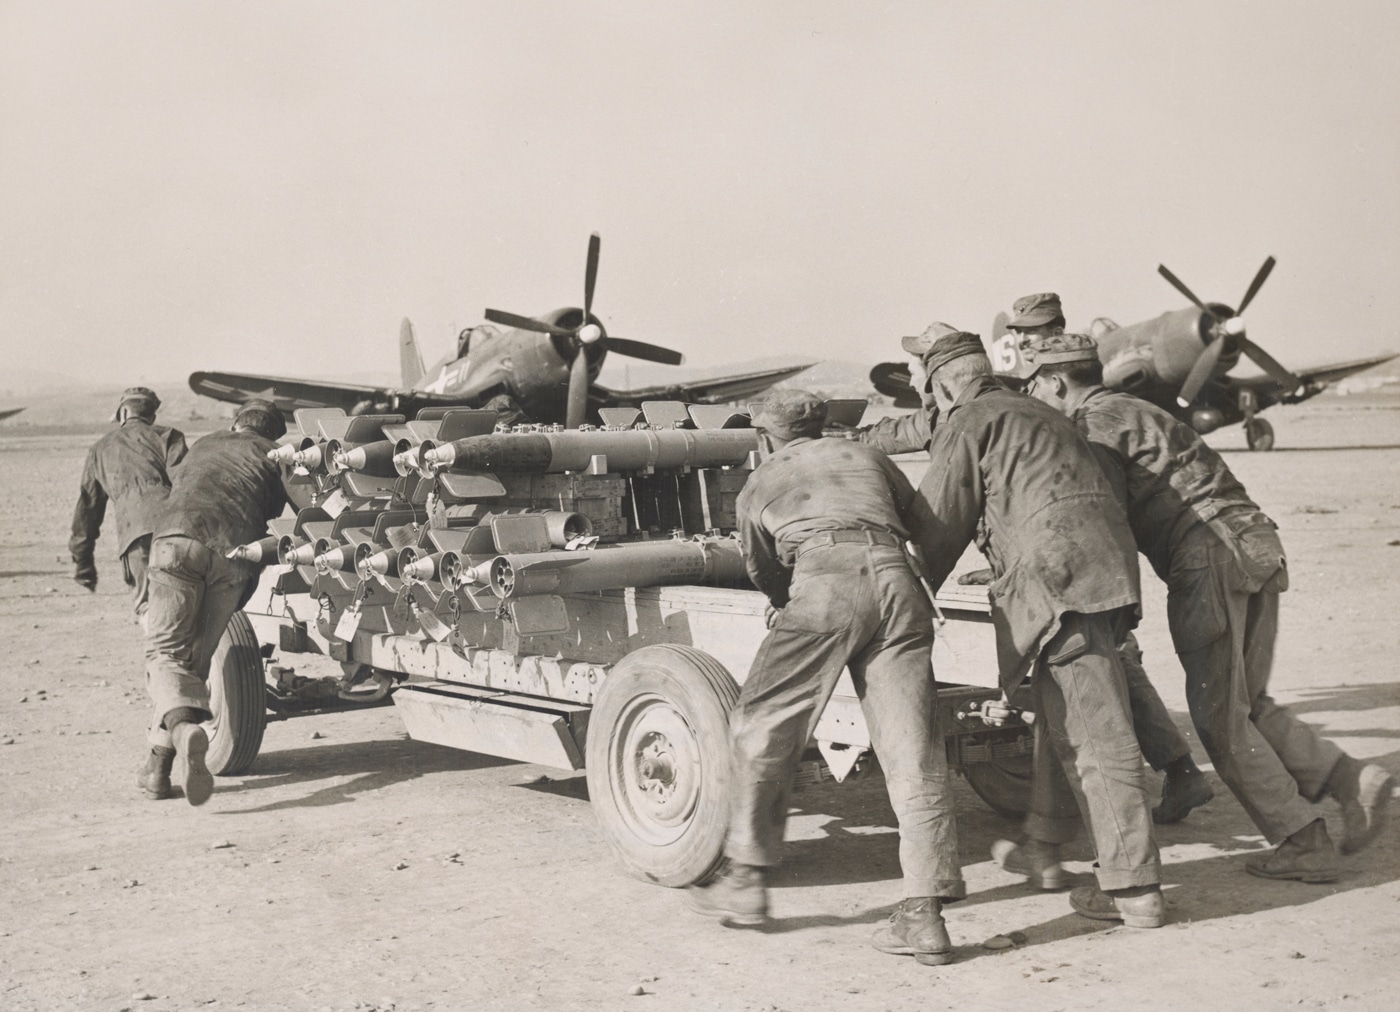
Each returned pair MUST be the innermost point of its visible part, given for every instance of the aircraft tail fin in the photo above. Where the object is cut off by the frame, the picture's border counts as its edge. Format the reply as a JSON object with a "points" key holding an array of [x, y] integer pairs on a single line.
{"points": [[410, 362]]}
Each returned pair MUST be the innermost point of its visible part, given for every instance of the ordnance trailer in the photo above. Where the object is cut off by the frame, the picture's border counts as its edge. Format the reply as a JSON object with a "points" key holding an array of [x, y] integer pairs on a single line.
{"points": [[414, 593]]}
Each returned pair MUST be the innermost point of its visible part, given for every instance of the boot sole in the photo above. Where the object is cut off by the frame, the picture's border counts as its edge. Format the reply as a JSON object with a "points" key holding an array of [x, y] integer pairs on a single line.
{"points": [[190, 749], [1129, 920], [927, 958], [729, 918], [1310, 877]]}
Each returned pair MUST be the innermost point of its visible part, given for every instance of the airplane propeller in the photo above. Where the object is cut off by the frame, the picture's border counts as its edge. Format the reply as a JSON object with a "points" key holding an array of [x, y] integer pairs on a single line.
{"points": [[1228, 333], [585, 334]]}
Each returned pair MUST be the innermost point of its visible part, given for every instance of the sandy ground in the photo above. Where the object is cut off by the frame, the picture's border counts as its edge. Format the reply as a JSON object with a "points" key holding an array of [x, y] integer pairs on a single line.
{"points": [[355, 868]]}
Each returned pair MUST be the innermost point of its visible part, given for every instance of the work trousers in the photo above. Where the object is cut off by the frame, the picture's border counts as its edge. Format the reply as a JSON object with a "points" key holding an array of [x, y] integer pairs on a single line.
{"points": [[135, 560], [1087, 755], [1157, 734], [193, 593], [1222, 609], [860, 606]]}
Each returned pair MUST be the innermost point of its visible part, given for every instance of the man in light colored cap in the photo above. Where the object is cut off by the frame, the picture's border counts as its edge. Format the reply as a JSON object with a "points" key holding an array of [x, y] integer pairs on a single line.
{"points": [[823, 528], [911, 432], [1016, 475], [129, 468], [1224, 568], [221, 497]]}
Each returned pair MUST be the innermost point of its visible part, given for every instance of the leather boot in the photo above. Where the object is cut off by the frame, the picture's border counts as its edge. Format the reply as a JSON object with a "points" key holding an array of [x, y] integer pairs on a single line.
{"points": [[1180, 794], [1306, 856], [1142, 907], [1364, 809], [191, 744], [154, 775], [735, 896], [916, 928], [1038, 861]]}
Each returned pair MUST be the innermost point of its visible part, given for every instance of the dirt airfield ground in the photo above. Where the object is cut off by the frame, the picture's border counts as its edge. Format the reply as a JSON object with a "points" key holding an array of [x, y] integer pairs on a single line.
{"points": [[356, 869]]}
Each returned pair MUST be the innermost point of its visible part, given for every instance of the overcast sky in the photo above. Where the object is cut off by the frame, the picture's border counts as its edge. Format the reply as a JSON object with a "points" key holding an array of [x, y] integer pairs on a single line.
{"points": [[269, 186]]}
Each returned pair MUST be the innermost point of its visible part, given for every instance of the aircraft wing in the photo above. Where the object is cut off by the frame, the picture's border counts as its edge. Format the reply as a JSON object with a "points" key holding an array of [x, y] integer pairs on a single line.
{"points": [[9, 412], [716, 390], [291, 394], [1315, 378]]}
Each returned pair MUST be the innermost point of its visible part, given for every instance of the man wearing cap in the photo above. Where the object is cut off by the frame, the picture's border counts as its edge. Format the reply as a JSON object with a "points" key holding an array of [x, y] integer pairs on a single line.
{"points": [[1040, 318], [1018, 476], [823, 528], [1224, 567], [221, 497], [911, 432], [130, 468]]}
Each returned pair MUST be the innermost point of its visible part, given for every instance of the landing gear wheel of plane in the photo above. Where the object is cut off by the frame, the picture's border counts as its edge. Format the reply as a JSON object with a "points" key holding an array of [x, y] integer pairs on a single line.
{"points": [[1004, 784], [658, 762], [1259, 434], [236, 700]]}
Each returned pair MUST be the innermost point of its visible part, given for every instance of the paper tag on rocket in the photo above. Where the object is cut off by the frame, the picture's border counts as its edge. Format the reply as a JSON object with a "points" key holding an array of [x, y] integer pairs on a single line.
{"points": [[433, 626], [349, 622]]}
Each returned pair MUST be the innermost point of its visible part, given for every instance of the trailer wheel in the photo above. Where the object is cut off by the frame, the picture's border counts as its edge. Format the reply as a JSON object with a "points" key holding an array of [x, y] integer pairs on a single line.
{"points": [[1004, 784], [236, 700], [658, 762]]}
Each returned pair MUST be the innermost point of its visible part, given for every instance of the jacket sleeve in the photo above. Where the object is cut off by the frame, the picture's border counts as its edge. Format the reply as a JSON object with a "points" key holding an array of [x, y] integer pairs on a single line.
{"points": [[898, 434], [765, 569], [901, 491], [175, 448], [88, 514], [949, 502]]}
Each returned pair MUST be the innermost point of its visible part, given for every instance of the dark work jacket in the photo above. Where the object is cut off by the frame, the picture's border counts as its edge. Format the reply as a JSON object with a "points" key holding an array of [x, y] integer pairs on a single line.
{"points": [[809, 486], [225, 492], [1016, 474], [1172, 481], [900, 433], [130, 467]]}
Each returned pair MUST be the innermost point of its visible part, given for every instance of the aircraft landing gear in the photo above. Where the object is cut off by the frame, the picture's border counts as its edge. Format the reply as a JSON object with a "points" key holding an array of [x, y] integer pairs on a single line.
{"points": [[1259, 434]]}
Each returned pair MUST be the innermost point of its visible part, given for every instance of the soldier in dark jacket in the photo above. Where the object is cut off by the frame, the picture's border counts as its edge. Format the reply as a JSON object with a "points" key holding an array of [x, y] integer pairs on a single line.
{"points": [[130, 469], [223, 496], [1019, 477], [822, 522], [1224, 567]]}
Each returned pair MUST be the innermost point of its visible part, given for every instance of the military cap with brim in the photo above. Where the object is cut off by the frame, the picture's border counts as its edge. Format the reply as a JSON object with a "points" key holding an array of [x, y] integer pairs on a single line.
{"points": [[922, 344], [952, 346], [1055, 348], [142, 399], [1036, 310], [262, 415], [789, 413]]}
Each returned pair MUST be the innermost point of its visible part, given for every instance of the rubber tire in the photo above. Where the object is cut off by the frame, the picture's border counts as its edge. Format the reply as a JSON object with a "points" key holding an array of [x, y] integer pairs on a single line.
{"points": [[1004, 784], [237, 700], [1260, 435], [674, 681]]}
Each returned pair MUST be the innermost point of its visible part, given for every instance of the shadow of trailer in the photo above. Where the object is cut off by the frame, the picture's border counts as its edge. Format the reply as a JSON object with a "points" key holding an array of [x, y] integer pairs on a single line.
{"points": [[636, 689]]}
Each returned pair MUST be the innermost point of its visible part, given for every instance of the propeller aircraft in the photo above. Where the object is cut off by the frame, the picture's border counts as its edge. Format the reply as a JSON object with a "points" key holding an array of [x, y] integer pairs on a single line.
{"points": [[1180, 361], [547, 365]]}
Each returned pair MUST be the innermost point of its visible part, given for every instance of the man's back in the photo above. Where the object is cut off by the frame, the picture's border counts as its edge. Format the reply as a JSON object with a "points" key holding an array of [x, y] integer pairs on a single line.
{"points": [[225, 491], [1017, 473], [1173, 480], [129, 466]]}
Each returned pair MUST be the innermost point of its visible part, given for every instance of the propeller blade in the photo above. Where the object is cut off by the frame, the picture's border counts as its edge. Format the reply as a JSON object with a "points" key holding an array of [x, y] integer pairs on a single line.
{"points": [[525, 323], [1268, 363], [590, 274], [1201, 371], [642, 350], [577, 407], [999, 326], [1180, 286], [1255, 285]]}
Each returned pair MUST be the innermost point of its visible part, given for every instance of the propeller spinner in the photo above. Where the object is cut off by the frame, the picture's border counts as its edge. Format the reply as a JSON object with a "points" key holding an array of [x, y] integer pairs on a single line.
{"points": [[586, 334], [1227, 334]]}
